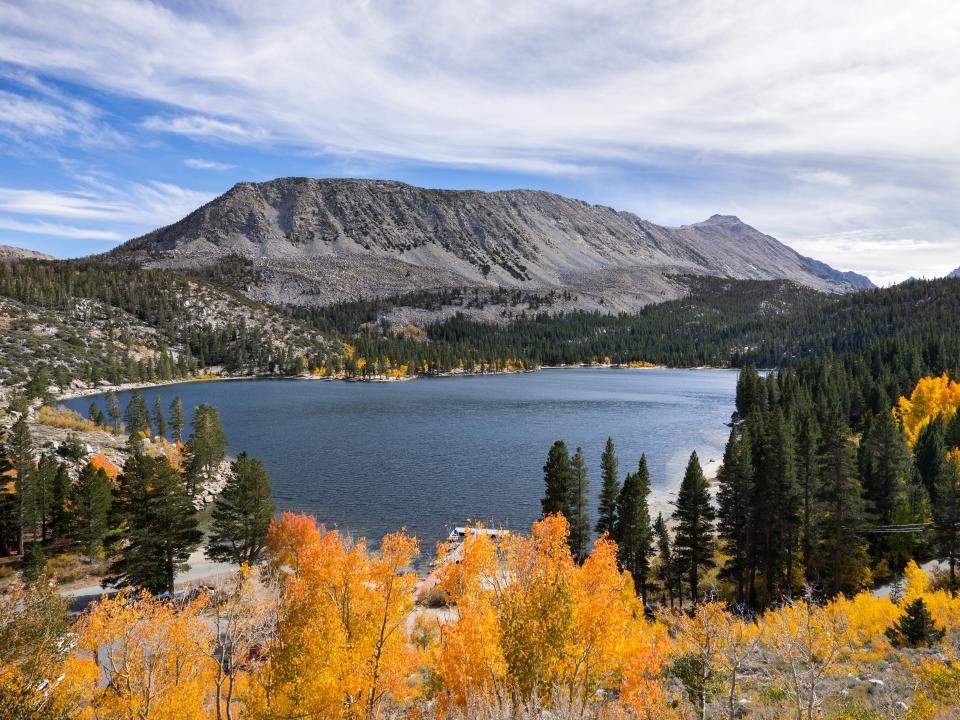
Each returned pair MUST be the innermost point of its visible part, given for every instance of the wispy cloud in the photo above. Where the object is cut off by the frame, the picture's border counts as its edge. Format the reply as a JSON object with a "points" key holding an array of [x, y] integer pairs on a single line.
{"points": [[810, 117], [201, 126], [58, 230], [201, 164], [104, 208]]}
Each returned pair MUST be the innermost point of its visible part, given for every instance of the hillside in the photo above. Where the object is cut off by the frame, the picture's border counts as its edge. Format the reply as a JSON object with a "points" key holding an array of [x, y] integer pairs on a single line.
{"points": [[313, 242], [9, 252], [88, 323]]}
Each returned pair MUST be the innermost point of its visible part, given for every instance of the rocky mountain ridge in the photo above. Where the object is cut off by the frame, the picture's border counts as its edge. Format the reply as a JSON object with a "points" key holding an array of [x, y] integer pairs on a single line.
{"points": [[313, 242], [9, 252]]}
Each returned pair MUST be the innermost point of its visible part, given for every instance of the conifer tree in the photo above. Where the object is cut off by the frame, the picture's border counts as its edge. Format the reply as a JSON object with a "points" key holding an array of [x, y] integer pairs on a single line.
{"points": [[178, 419], [96, 415], [44, 478], [59, 492], [21, 458], [159, 525], [808, 488], [113, 411], [694, 515], [886, 468], [735, 518], [579, 502], [930, 453], [946, 515], [842, 547], [206, 446], [666, 570], [633, 533], [159, 421], [90, 502], [241, 514], [916, 628], [557, 480], [137, 416], [609, 490]]}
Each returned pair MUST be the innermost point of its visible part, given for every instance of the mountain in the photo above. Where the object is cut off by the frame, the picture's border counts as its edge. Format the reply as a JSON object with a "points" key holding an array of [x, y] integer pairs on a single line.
{"points": [[313, 242], [9, 252], [955, 273]]}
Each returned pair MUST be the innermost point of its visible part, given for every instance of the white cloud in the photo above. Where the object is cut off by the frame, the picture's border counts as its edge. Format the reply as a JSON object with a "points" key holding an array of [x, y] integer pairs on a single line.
{"points": [[200, 164], [839, 103], [106, 208], [200, 126], [58, 230]]}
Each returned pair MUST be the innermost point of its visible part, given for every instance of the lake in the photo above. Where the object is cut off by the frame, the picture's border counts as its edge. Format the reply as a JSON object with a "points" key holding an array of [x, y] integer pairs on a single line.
{"points": [[428, 454]]}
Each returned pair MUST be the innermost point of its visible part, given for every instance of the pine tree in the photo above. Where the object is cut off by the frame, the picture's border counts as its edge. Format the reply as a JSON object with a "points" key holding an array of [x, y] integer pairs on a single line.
{"points": [[159, 525], [137, 416], [96, 415], [916, 628], [808, 488], [113, 411], [206, 446], [633, 533], [44, 478], [735, 524], [178, 419], [21, 458], [930, 453], [886, 467], [59, 492], [693, 542], [241, 514], [558, 480], [843, 559], [159, 421], [90, 502], [609, 490], [34, 561], [666, 570], [946, 516], [579, 503]]}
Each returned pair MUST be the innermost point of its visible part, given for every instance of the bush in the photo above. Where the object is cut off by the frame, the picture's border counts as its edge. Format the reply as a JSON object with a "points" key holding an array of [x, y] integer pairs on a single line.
{"points": [[65, 418], [33, 561]]}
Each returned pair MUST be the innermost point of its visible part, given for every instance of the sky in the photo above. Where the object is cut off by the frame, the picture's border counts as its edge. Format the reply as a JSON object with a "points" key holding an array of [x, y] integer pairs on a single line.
{"points": [[834, 127]]}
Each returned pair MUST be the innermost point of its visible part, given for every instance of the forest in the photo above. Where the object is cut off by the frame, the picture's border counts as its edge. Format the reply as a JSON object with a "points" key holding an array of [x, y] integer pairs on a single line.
{"points": [[788, 586]]}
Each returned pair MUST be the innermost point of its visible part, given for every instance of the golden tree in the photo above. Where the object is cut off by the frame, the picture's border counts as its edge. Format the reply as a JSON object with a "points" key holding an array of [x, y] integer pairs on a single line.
{"points": [[342, 645]]}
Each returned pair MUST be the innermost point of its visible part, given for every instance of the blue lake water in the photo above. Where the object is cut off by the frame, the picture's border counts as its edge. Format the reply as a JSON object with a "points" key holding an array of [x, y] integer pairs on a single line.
{"points": [[370, 458]]}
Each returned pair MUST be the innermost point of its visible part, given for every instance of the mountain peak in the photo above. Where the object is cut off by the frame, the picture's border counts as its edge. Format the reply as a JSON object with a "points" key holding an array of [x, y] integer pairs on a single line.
{"points": [[316, 241]]}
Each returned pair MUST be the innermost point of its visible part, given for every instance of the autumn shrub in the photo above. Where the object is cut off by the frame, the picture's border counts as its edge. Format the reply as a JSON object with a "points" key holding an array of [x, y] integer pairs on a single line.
{"points": [[64, 418]]}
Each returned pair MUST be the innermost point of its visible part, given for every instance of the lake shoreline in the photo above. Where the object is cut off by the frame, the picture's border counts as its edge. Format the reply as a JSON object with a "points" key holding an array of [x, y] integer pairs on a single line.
{"points": [[76, 393]]}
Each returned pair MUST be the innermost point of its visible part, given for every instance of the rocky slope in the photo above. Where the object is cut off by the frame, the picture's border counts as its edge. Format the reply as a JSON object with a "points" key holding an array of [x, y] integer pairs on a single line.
{"points": [[312, 242], [9, 252]]}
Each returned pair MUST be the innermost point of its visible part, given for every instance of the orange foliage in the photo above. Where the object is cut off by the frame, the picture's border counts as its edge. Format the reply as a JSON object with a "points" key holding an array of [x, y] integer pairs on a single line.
{"points": [[342, 645], [136, 657], [102, 462], [932, 396]]}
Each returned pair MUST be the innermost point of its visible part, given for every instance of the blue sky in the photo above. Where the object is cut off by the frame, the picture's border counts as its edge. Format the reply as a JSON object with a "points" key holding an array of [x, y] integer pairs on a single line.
{"points": [[830, 126]]}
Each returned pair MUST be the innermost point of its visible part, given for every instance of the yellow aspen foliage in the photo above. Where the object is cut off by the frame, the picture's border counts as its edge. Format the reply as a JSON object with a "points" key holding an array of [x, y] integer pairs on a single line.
{"points": [[808, 643], [867, 618], [943, 606], [536, 606], [642, 689], [342, 645], [932, 396], [468, 658], [137, 657], [530, 619]]}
